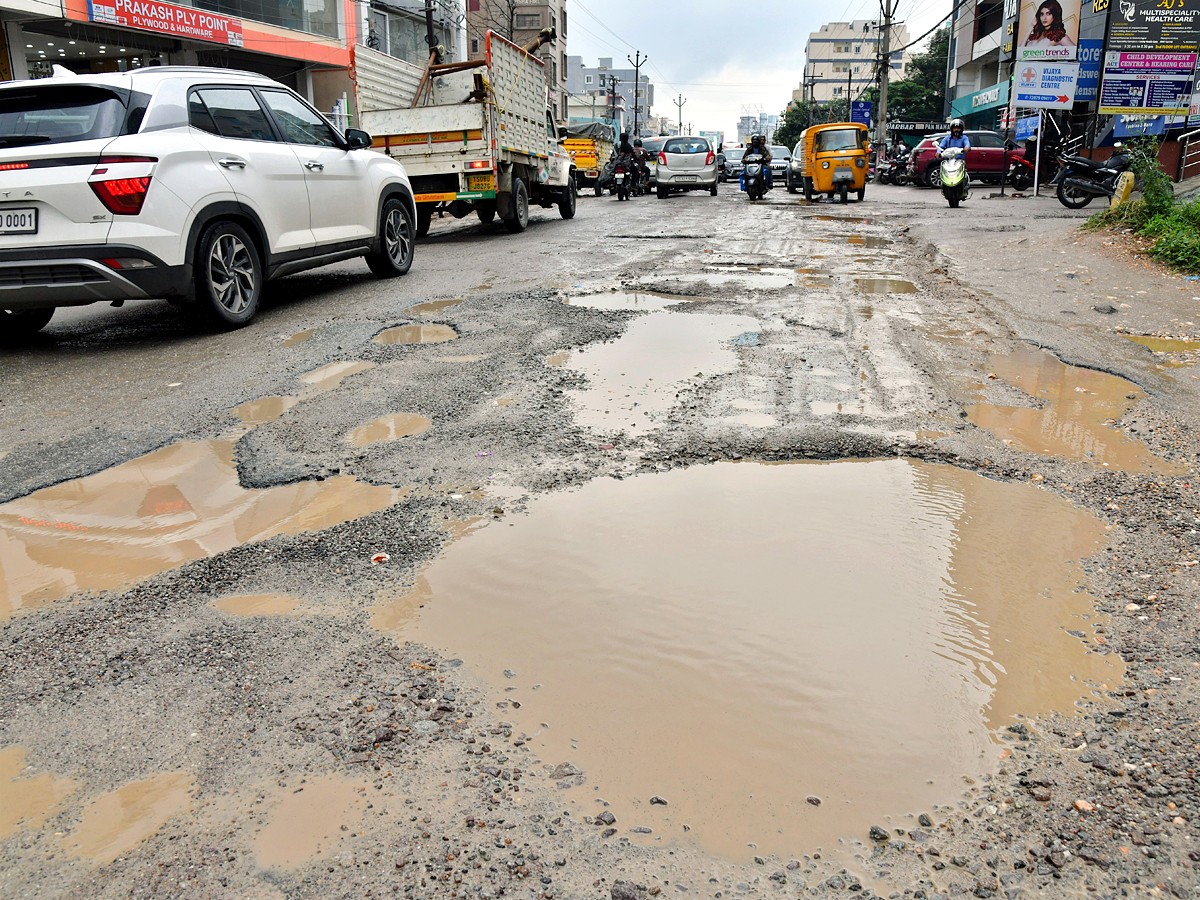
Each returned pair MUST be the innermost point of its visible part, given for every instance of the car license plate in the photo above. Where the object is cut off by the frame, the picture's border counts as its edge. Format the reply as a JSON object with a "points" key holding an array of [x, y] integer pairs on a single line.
{"points": [[846, 174], [481, 183], [687, 178], [22, 220]]}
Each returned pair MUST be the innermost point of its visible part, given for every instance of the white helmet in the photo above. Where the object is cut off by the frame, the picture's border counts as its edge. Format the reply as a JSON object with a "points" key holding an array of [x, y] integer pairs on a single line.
{"points": [[956, 123]]}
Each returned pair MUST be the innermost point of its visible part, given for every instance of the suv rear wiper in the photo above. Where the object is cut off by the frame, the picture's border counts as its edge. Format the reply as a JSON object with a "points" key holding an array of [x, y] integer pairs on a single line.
{"points": [[23, 140]]}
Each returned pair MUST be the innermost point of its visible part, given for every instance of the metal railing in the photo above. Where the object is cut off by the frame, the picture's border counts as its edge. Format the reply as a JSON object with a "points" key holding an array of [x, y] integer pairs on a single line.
{"points": [[1189, 155]]}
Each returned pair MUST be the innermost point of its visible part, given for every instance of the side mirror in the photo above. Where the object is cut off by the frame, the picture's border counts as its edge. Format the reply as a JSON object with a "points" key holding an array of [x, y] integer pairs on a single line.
{"points": [[357, 139]]}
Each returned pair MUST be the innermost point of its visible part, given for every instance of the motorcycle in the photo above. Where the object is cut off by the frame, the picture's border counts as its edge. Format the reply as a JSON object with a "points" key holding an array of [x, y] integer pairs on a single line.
{"points": [[622, 176], [953, 171], [640, 178], [754, 179], [1083, 179], [893, 169]]}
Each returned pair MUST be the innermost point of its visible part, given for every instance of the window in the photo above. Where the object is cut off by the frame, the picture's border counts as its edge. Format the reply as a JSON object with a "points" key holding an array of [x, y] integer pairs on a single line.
{"points": [[474, 45], [686, 145], [837, 91], [299, 123], [60, 114], [841, 139], [564, 28], [985, 139], [587, 79], [528, 20], [229, 112], [858, 48]]}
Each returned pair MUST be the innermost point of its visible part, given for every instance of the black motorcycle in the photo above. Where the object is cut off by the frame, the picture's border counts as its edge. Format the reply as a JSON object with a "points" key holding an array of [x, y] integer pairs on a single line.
{"points": [[1082, 179]]}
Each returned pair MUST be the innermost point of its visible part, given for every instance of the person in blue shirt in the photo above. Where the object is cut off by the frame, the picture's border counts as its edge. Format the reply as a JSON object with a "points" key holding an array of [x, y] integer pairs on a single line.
{"points": [[956, 138]]}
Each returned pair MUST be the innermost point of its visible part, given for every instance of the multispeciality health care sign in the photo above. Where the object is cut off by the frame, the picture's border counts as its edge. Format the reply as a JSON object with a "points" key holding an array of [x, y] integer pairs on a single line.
{"points": [[166, 18], [1149, 67]]}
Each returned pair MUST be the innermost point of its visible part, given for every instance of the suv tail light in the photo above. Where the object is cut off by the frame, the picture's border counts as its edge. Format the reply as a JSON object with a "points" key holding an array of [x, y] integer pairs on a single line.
{"points": [[121, 196], [710, 159]]}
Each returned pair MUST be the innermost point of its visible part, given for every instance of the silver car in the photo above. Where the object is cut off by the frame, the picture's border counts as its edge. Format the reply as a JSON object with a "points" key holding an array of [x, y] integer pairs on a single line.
{"points": [[686, 164]]}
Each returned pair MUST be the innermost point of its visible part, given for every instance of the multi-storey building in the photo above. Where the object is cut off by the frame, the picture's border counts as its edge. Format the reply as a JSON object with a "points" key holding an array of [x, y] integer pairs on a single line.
{"points": [[610, 82], [520, 21], [756, 123], [306, 45], [842, 59]]}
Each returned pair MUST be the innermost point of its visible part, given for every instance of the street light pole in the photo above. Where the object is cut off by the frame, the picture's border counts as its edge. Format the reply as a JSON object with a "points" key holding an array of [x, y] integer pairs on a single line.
{"points": [[637, 68], [679, 103]]}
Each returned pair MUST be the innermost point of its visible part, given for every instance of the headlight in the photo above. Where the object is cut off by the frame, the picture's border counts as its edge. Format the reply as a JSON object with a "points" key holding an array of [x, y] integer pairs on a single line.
{"points": [[860, 162], [824, 164]]}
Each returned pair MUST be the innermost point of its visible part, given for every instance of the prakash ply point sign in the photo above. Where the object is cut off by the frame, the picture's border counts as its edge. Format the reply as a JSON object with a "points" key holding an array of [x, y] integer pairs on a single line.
{"points": [[151, 15]]}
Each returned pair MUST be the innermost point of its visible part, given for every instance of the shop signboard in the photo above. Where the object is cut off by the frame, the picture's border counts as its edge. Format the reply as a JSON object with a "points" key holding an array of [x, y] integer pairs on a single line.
{"points": [[167, 18], [1149, 66], [1137, 126], [1045, 85], [1048, 29], [1087, 88], [860, 111], [1027, 127]]}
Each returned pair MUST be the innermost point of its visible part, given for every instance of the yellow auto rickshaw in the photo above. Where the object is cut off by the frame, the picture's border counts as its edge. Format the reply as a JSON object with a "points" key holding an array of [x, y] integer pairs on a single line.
{"points": [[834, 161]]}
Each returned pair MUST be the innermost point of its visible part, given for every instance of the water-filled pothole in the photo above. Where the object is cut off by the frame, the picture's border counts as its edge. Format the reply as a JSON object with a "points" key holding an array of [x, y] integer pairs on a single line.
{"points": [[885, 286], [389, 428], [1074, 419], [299, 337], [264, 409], [27, 800], [635, 378], [641, 301], [871, 242], [115, 823], [329, 376], [1163, 345], [433, 307], [182, 503], [737, 638], [308, 820], [416, 334]]}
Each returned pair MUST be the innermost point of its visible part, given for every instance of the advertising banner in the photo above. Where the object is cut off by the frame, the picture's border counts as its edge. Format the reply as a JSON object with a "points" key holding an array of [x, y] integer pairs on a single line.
{"points": [[1048, 29], [166, 18], [1026, 129], [1162, 26], [1136, 126], [860, 111], [1087, 88], [1147, 83], [1045, 85]]}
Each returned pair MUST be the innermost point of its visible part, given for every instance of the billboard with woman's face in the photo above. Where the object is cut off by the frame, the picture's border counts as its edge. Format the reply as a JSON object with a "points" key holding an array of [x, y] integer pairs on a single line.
{"points": [[1048, 29]]}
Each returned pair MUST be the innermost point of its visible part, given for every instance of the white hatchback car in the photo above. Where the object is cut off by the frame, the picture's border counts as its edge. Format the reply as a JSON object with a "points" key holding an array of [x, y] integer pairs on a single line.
{"points": [[186, 183], [686, 164]]}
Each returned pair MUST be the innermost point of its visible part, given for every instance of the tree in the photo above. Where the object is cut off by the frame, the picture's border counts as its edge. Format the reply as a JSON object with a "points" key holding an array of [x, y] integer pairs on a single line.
{"points": [[499, 16], [799, 115], [921, 94]]}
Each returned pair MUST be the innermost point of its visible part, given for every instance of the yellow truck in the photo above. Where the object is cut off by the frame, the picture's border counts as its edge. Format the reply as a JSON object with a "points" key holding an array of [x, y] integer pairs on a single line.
{"points": [[474, 136], [590, 145]]}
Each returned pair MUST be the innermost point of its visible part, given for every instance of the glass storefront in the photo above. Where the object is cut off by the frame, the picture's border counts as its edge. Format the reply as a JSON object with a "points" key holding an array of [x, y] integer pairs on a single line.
{"points": [[321, 17]]}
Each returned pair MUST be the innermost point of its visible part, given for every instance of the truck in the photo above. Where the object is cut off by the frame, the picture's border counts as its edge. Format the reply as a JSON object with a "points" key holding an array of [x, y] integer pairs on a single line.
{"points": [[590, 145], [474, 136]]}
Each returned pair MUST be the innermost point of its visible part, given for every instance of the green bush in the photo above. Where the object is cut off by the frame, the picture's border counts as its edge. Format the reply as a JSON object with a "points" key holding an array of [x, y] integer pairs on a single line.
{"points": [[1178, 243]]}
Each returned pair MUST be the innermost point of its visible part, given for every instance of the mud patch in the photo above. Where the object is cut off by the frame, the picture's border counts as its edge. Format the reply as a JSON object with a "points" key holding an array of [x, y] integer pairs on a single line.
{"points": [[299, 337], [416, 334], [173, 506], [257, 605], [712, 636], [328, 377], [389, 428], [1076, 417], [308, 821], [115, 823], [26, 801]]}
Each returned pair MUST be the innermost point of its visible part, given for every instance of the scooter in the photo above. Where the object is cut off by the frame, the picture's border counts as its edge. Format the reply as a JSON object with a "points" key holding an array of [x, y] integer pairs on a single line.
{"points": [[955, 183], [1083, 179], [754, 178], [621, 176]]}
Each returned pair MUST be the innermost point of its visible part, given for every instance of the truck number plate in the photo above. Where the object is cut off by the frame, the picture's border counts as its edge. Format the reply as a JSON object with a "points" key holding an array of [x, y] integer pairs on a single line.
{"points": [[22, 220], [481, 182]]}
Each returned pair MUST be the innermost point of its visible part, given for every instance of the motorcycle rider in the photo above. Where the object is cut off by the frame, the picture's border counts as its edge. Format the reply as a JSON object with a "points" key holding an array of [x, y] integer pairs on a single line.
{"points": [[623, 155], [640, 157], [957, 138], [758, 144]]}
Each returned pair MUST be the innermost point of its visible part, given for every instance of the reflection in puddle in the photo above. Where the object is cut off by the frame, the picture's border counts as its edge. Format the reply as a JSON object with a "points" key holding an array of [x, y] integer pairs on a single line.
{"points": [[307, 822], [714, 637], [389, 428], [1072, 421], [170, 507], [257, 605], [299, 337], [810, 271], [115, 823], [27, 801], [1163, 345], [330, 376], [751, 277], [885, 286], [619, 300], [264, 409], [433, 307], [868, 241], [416, 334], [635, 377]]}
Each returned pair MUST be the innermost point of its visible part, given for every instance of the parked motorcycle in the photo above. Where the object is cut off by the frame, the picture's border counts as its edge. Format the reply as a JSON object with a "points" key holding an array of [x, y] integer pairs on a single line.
{"points": [[754, 178], [1084, 179], [953, 171], [893, 169]]}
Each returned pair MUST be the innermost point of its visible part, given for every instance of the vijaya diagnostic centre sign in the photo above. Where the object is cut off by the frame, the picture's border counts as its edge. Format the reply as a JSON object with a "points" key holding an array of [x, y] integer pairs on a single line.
{"points": [[167, 18]]}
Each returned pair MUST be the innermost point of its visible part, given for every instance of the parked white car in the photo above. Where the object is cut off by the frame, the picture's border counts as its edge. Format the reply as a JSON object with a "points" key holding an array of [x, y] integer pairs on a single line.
{"points": [[187, 183]]}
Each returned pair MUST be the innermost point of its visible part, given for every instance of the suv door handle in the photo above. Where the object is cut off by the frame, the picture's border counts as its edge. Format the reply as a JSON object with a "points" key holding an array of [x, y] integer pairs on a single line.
{"points": [[314, 166], [231, 162]]}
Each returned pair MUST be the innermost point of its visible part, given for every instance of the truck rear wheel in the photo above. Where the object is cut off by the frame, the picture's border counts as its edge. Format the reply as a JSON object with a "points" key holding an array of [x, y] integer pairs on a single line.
{"points": [[520, 207], [566, 205]]}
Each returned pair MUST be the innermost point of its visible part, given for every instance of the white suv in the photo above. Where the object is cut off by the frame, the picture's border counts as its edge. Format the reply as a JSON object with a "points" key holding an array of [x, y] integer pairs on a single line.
{"points": [[193, 184]]}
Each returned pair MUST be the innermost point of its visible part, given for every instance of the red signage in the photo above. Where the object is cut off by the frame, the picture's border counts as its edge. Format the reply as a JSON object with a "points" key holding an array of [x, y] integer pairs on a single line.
{"points": [[151, 15]]}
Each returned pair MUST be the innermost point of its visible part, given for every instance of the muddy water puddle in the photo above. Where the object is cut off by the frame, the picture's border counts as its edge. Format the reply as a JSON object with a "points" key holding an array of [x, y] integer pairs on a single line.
{"points": [[433, 307], [754, 277], [634, 379], [1163, 345], [712, 636], [328, 377], [307, 820], [299, 337], [885, 286], [392, 427], [416, 334], [1073, 420], [182, 503], [115, 823], [264, 409], [27, 799], [251, 605], [638, 301]]}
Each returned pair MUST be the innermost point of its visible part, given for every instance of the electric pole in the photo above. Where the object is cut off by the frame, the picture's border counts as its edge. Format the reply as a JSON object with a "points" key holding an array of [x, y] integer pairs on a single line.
{"points": [[613, 81], [637, 81], [679, 103], [885, 71]]}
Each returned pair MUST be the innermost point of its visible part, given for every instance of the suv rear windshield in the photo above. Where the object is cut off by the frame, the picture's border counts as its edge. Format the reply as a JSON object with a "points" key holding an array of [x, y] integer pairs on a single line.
{"points": [[839, 139], [60, 114]]}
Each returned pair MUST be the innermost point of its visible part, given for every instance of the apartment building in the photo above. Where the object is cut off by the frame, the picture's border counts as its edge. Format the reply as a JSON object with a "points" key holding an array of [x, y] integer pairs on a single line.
{"points": [[841, 58], [609, 82], [521, 21]]}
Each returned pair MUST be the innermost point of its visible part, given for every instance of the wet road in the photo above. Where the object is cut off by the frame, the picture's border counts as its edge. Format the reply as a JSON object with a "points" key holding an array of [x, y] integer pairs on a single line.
{"points": [[217, 549]]}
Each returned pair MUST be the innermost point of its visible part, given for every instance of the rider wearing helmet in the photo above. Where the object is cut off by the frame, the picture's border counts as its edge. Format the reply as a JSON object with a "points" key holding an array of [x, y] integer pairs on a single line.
{"points": [[956, 138], [640, 157], [758, 144]]}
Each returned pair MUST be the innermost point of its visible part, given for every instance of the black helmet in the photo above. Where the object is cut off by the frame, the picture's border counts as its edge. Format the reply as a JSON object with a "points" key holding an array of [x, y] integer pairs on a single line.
{"points": [[624, 136], [637, 142]]}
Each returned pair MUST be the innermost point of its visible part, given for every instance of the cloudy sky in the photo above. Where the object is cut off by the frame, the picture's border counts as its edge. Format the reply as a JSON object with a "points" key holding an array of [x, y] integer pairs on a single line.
{"points": [[702, 50]]}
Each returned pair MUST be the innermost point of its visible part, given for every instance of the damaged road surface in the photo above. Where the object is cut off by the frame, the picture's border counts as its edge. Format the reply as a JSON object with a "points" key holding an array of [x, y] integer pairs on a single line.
{"points": [[773, 550]]}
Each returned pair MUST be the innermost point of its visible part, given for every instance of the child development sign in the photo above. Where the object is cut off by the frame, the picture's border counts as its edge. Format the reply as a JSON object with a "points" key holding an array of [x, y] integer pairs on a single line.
{"points": [[1048, 29], [152, 15], [1149, 67]]}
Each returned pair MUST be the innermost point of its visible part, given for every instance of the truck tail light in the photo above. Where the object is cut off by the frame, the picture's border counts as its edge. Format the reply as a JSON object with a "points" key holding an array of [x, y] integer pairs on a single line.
{"points": [[662, 158], [480, 164], [122, 196]]}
